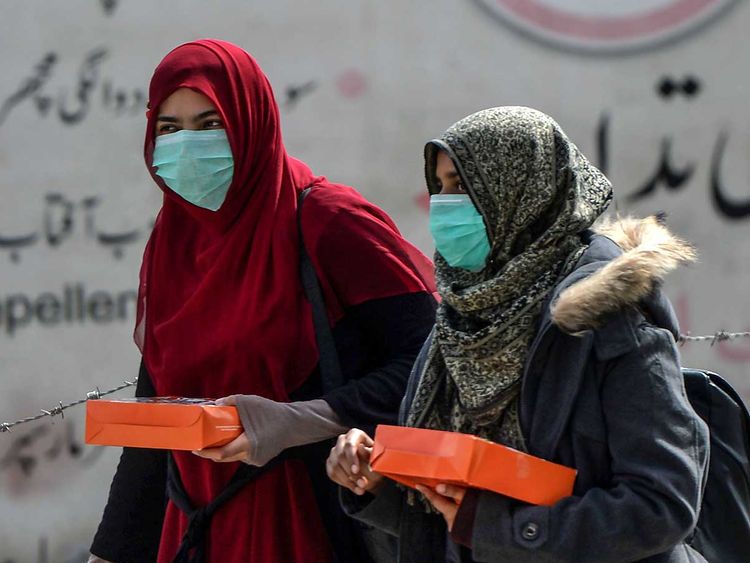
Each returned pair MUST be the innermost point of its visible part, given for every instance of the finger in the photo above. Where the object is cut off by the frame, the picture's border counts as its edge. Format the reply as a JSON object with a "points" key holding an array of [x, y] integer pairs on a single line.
{"points": [[366, 440], [354, 438], [452, 491], [338, 457], [338, 448], [333, 471], [231, 401], [364, 453], [427, 493], [238, 457], [441, 503], [209, 453], [363, 459], [219, 456], [346, 468], [336, 467], [236, 450], [363, 483], [351, 457], [337, 474], [349, 454]]}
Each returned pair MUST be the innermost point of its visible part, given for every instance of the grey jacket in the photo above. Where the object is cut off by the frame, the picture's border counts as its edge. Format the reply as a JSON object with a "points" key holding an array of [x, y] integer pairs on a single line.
{"points": [[609, 402]]}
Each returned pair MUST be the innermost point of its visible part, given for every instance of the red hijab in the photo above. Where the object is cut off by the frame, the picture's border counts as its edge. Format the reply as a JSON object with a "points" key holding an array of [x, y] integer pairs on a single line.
{"points": [[221, 307]]}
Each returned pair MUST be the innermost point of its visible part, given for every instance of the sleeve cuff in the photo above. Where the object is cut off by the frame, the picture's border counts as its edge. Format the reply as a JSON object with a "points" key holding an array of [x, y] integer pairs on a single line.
{"points": [[381, 510], [463, 525], [272, 427]]}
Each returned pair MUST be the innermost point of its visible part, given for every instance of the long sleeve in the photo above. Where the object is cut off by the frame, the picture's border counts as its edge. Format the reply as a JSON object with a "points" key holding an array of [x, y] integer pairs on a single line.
{"points": [[271, 427], [395, 329], [131, 524], [382, 510], [658, 448], [390, 331], [372, 285]]}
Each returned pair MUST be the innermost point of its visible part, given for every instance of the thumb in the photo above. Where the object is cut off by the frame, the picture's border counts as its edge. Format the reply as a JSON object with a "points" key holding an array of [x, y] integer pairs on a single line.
{"points": [[230, 401]]}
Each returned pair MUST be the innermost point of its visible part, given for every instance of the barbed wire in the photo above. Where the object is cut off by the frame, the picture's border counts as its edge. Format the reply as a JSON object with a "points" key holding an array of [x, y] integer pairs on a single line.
{"points": [[713, 338], [61, 408]]}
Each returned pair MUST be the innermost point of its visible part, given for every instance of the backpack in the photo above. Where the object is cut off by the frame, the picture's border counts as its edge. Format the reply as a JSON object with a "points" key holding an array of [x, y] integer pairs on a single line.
{"points": [[722, 534]]}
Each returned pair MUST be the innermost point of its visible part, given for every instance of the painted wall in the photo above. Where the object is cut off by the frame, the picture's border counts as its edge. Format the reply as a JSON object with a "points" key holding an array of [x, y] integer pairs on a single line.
{"points": [[655, 91]]}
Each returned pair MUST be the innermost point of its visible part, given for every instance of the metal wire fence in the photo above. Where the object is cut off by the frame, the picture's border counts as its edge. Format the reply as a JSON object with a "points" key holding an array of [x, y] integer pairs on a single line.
{"points": [[60, 408]]}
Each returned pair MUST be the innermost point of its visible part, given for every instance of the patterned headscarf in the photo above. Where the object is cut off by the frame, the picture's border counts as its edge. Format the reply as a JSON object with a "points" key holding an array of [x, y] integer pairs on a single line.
{"points": [[536, 193]]}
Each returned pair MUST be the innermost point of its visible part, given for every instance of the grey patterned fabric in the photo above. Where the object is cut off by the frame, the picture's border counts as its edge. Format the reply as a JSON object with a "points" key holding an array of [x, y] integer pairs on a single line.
{"points": [[536, 193]]}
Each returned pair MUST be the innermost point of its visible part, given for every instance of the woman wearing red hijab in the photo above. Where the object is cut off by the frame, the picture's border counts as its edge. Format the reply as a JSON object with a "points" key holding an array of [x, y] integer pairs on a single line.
{"points": [[222, 312]]}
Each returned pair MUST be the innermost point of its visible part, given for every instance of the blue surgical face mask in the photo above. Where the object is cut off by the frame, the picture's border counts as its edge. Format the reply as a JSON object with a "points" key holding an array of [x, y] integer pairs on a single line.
{"points": [[196, 165], [458, 231]]}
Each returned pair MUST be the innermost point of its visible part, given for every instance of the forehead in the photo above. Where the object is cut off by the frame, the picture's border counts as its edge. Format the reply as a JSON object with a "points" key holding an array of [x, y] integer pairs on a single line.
{"points": [[185, 101], [444, 162]]}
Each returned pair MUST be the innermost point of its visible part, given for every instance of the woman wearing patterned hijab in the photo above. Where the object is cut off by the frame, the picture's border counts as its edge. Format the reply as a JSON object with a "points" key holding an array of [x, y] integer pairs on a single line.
{"points": [[551, 338]]}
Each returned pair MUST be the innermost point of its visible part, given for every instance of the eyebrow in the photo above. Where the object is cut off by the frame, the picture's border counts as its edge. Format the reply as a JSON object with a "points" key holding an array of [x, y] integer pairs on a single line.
{"points": [[202, 115], [205, 114]]}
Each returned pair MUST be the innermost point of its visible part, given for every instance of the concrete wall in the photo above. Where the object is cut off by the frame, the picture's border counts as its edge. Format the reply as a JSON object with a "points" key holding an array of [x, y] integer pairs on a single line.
{"points": [[362, 85]]}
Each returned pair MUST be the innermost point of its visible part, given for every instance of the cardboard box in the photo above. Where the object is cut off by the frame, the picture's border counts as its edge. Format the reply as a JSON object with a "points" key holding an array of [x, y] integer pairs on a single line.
{"points": [[170, 423], [428, 457]]}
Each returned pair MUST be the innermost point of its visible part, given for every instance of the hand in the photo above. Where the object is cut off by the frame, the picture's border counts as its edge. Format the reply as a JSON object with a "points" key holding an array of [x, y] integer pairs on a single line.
{"points": [[94, 559], [349, 463], [236, 450], [446, 499], [230, 401]]}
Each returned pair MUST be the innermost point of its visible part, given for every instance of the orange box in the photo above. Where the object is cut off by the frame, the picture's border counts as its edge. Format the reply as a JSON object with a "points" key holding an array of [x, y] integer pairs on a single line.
{"points": [[415, 456], [169, 423]]}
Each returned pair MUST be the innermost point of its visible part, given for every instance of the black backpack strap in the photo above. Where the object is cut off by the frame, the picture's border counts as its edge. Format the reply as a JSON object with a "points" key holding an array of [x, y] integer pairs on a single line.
{"points": [[696, 384], [725, 386], [330, 369]]}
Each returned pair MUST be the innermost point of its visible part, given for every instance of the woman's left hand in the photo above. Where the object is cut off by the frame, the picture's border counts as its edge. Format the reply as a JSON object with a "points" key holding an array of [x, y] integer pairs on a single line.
{"points": [[236, 450], [446, 499]]}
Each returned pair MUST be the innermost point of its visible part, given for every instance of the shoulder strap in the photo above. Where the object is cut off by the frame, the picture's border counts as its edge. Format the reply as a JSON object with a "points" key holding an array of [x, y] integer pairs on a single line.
{"points": [[697, 378], [330, 369], [725, 386]]}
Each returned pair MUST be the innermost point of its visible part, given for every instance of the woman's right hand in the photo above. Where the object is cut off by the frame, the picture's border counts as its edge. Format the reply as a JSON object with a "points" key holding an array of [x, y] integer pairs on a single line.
{"points": [[94, 559], [349, 463]]}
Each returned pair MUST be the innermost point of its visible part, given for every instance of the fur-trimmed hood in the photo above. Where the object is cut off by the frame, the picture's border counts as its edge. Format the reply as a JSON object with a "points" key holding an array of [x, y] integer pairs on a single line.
{"points": [[649, 252]]}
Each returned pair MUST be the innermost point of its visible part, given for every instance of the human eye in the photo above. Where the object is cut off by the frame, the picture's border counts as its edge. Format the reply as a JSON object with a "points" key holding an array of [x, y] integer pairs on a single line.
{"points": [[213, 124], [166, 128]]}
